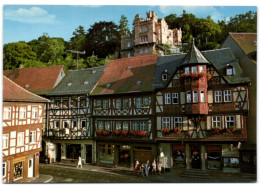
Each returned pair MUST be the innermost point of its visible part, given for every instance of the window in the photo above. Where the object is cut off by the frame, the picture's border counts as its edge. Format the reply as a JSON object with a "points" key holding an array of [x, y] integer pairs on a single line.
{"points": [[202, 96], [229, 71], [165, 122], [201, 68], [146, 28], [144, 39], [145, 101], [194, 69], [143, 126], [65, 124], [188, 95], [22, 112], [118, 125], [167, 98], [218, 96], [125, 103], [141, 51], [146, 50], [5, 141], [230, 121], [74, 101], [18, 170], [195, 96], [128, 44], [105, 104], [20, 139], [4, 169], [65, 103], [82, 102], [56, 103], [177, 122], [141, 29], [34, 112], [135, 126], [227, 96], [74, 124], [118, 104], [128, 55], [83, 123], [138, 102], [100, 125], [164, 77], [107, 125], [98, 104], [7, 112], [174, 98], [57, 124], [32, 136], [125, 125], [216, 122], [187, 70]]}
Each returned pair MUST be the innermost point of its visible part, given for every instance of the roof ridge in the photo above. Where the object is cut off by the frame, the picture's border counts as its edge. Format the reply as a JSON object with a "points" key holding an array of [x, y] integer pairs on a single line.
{"points": [[26, 90], [134, 57], [89, 68]]}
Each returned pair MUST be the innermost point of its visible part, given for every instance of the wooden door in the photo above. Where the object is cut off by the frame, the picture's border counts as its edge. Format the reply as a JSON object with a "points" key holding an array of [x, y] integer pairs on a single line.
{"points": [[143, 155], [88, 153], [195, 157]]}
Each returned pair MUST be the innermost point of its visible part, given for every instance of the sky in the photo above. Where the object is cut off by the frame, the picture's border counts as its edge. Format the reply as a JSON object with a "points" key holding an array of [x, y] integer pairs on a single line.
{"points": [[28, 22]]}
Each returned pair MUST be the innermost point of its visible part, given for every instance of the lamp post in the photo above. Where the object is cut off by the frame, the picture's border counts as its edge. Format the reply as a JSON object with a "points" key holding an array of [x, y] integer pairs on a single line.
{"points": [[78, 52]]}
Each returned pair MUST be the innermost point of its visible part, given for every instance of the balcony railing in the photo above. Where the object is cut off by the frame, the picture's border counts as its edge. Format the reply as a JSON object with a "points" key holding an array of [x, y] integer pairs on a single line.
{"points": [[67, 133], [123, 134]]}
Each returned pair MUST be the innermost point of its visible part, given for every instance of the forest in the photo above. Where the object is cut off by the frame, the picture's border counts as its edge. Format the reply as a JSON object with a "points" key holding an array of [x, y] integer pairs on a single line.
{"points": [[101, 41]]}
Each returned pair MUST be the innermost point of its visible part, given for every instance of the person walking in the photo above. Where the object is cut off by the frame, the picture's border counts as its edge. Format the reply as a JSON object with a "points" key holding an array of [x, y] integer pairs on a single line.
{"points": [[159, 168], [142, 168], [154, 167], [136, 166], [79, 162], [147, 168]]}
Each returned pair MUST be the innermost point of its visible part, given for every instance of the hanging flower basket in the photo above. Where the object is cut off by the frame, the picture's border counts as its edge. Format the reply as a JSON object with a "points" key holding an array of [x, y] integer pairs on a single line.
{"points": [[124, 133]]}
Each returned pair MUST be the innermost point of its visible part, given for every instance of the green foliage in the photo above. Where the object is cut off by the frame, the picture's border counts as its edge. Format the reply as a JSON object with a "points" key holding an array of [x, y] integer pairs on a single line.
{"points": [[123, 25], [77, 42], [166, 48]]}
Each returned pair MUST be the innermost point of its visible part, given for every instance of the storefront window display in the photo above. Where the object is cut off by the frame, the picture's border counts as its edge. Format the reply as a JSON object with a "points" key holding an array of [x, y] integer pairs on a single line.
{"points": [[214, 157], [18, 170], [107, 154], [231, 162], [178, 156]]}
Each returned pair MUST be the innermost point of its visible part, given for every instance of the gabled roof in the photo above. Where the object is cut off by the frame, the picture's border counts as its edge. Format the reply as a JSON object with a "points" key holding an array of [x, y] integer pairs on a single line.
{"points": [[127, 75], [219, 58], [78, 81], [194, 56], [38, 80], [246, 41], [14, 92]]}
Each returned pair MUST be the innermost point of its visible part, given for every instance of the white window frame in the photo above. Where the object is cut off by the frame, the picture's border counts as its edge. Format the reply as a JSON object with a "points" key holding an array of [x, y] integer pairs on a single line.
{"points": [[229, 120], [22, 113], [138, 102], [194, 69], [187, 70], [4, 169], [227, 96], [118, 104], [143, 126], [32, 136], [188, 96], [218, 96], [202, 96], [201, 69], [167, 98], [135, 126], [166, 122], [195, 97], [216, 122], [5, 143], [164, 77], [177, 122], [229, 71], [20, 138], [34, 112], [7, 113], [175, 97]]}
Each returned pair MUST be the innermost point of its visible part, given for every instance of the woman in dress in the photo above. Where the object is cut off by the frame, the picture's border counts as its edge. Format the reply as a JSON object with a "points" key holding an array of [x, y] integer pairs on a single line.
{"points": [[136, 166], [79, 162]]}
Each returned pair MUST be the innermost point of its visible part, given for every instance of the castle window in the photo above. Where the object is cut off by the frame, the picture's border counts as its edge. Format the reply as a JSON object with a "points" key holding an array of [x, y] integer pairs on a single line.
{"points": [[216, 122], [187, 70], [194, 69], [164, 77]]}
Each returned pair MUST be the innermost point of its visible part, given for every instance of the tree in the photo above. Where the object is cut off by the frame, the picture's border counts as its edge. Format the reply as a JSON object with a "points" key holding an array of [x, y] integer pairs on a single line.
{"points": [[172, 21], [17, 53], [77, 42], [123, 25], [103, 38]]}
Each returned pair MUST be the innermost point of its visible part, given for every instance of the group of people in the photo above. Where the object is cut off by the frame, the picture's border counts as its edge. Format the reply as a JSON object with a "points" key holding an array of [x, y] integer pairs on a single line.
{"points": [[144, 168]]}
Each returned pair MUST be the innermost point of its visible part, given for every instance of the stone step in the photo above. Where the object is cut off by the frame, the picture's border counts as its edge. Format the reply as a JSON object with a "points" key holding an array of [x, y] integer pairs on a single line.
{"points": [[195, 173], [195, 176]]}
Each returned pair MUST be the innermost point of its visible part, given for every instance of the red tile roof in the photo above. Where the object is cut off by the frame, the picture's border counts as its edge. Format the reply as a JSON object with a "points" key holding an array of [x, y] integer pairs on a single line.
{"points": [[124, 80], [246, 41], [14, 92], [40, 79]]}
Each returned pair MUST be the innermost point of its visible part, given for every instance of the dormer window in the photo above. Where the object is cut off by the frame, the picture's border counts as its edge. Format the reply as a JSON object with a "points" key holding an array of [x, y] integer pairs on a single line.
{"points": [[108, 85], [138, 82], [86, 82], [69, 84], [164, 76], [187, 70], [194, 69], [229, 70]]}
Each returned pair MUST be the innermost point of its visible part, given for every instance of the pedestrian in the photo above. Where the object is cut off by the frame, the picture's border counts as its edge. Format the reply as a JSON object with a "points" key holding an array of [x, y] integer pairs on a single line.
{"points": [[79, 162], [159, 168], [154, 167], [142, 168], [147, 168], [136, 166]]}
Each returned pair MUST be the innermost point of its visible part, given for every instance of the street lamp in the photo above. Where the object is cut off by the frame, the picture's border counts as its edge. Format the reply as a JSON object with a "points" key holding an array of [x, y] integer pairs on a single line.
{"points": [[78, 52]]}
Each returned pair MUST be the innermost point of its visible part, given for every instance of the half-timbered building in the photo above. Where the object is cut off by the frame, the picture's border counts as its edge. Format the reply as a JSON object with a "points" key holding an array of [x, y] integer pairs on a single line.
{"points": [[23, 118], [124, 112], [69, 132], [201, 109]]}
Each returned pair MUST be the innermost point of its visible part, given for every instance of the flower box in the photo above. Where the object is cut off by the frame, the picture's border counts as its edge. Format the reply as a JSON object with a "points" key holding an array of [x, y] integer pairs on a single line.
{"points": [[166, 130], [142, 133], [193, 76], [102, 133], [133, 133], [177, 130], [117, 132], [124, 133]]}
